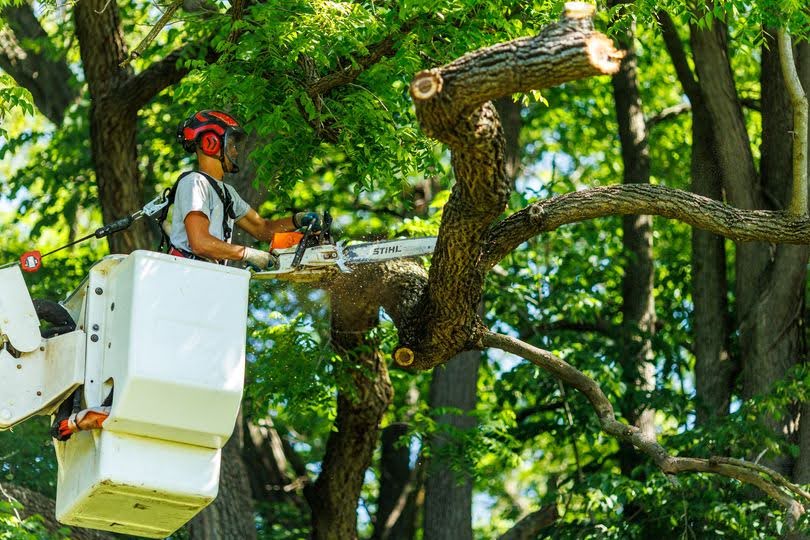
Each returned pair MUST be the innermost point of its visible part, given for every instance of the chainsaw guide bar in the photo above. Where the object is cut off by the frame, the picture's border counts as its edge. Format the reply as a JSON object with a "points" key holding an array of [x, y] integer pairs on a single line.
{"points": [[320, 260]]}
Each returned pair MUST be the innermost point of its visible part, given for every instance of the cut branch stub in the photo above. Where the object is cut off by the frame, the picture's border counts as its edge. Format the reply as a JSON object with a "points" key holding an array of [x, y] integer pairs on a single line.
{"points": [[426, 84], [403, 356]]}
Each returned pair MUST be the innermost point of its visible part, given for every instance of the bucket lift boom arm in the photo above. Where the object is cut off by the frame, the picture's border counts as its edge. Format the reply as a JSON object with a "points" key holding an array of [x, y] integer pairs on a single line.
{"points": [[36, 374]]}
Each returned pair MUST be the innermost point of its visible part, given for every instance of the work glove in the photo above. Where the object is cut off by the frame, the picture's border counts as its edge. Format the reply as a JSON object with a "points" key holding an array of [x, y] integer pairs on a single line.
{"points": [[258, 259], [92, 418], [304, 219]]}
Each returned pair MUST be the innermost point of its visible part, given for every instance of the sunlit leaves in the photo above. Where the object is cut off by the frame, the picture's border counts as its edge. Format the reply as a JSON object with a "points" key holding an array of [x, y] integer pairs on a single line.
{"points": [[13, 97]]}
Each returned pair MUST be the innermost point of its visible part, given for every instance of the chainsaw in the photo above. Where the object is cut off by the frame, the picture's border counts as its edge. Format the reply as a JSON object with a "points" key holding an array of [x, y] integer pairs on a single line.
{"points": [[313, 253]]}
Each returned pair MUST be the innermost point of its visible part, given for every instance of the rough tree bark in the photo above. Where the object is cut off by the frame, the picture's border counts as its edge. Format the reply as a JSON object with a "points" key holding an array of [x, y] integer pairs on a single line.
{"points": [[448, 493], [48, 80], [638, 300], [714, 367], [452, 105], [364, 395]]}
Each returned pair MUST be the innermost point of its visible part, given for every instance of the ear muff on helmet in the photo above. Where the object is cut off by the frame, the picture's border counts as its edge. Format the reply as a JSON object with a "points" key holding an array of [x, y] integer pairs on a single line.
{"points": [[206, 130], [210, 143]]}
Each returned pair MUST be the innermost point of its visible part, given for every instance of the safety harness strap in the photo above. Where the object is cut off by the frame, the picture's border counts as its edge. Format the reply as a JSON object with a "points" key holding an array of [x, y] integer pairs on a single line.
{"points": [[170, 193]]}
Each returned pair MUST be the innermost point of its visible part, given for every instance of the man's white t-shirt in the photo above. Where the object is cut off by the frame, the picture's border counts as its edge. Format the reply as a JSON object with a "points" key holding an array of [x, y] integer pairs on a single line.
{"points": [[195, 194]]}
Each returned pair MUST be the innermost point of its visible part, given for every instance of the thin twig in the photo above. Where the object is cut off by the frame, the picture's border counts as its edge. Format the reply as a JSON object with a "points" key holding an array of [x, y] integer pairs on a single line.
{"points": [[569, 418], [164, 19], [12, 500]]}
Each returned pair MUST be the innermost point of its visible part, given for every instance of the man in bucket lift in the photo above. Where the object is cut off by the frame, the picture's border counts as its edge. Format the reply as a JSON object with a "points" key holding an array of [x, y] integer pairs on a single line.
{"points": [[205, 211], [206, 208]]}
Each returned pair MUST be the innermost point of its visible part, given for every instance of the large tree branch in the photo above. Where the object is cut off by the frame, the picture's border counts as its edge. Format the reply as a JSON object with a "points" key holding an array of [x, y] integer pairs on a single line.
{"points": [[770, 482], [47, 79], [696, 210], [137, 91], [562, 52], [452, 104]]}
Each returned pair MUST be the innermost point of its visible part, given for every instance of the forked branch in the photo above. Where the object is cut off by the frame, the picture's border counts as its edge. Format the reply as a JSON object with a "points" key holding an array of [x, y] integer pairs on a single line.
{"points": [[791, 496], [453, 104]]}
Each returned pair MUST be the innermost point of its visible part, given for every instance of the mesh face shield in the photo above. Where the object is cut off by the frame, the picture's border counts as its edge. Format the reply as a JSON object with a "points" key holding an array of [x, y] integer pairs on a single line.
{"points": [[234, 148]]}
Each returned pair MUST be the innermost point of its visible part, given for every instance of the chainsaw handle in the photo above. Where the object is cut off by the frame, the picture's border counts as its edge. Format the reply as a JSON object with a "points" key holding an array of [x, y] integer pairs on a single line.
{"points": [[302, 246], [326, 228]]}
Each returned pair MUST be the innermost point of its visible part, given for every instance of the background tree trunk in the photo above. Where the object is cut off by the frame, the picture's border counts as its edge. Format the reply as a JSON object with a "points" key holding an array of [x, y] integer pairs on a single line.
{"points": [[113, 123], [769, 289], [638, 301], [714, 368], [448, 493], [398, 488], [775, 326], [47, 79], [231, 513]]}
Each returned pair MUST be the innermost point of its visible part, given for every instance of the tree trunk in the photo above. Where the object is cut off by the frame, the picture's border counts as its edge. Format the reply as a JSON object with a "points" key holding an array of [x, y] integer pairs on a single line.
{"points": [[638, 301], [231, 513], [771, 330], [448, 494], [116, 96], [396, 508], [714, 368], [364, 395], [769, 285], [113, 123], [801, 470], [47, 79]]}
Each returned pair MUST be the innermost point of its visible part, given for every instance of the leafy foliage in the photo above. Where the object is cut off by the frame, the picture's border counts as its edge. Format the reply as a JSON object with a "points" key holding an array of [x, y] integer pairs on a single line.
{"points": [[31, 528]]}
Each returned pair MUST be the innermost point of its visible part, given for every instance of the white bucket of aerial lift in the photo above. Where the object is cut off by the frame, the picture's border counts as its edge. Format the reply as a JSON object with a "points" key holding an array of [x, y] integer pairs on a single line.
{"points": [[168, 335], [36, 378]]}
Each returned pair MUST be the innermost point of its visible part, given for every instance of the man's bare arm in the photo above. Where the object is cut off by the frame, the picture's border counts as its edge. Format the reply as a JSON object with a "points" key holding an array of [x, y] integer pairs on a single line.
{"points": [[264, 229]]}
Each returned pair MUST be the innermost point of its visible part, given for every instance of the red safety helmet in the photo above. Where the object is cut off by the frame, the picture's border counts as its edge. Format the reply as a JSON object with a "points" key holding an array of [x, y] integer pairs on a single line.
{"points": [[216, 134]]}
